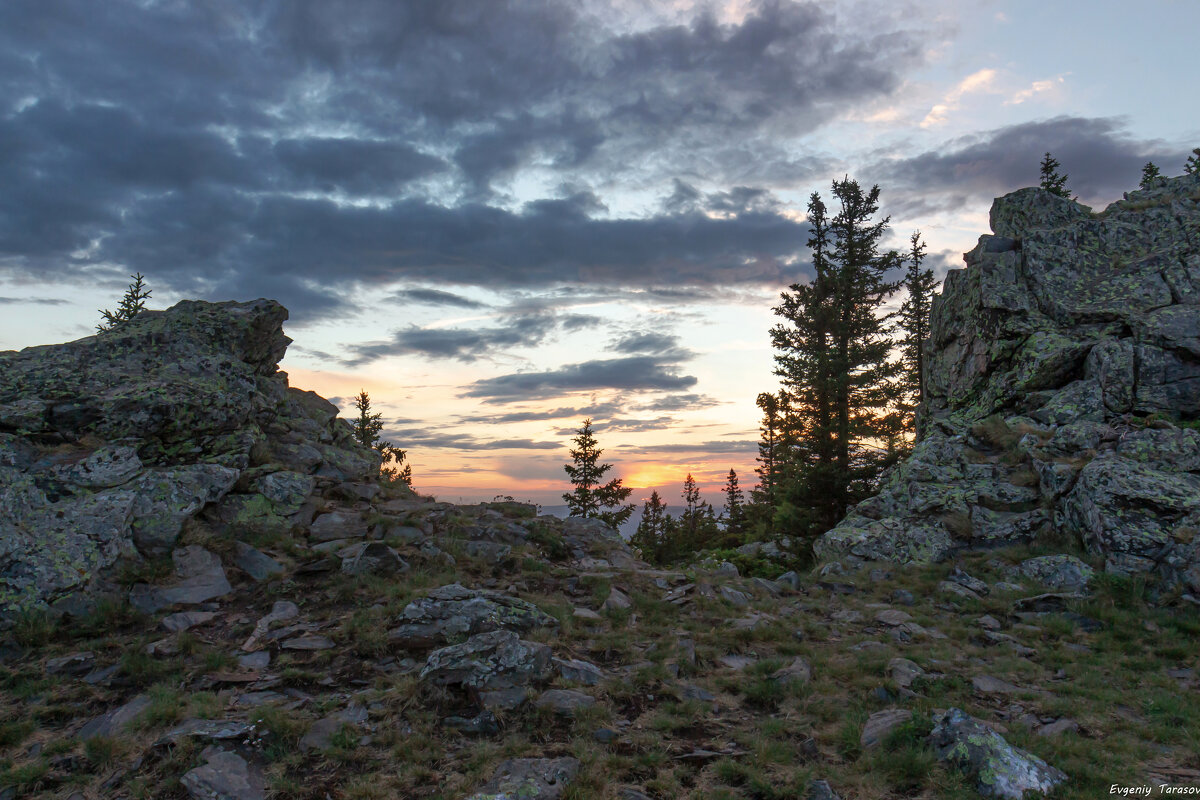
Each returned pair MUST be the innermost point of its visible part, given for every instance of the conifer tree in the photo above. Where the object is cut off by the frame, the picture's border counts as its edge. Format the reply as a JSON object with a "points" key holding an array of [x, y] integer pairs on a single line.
{"points": [[132, 304], [832, 357], [735, 512], [1192, 165], [653, 535], [1051, 180], [590, 496], [697, 525], [1150, 175], [367, 428], [769, 451], [914, 323]]}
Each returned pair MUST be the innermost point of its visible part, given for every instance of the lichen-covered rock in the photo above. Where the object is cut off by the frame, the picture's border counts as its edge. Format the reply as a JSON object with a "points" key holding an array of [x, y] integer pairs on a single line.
{"points": [[488, 661], [999, 769], [1061, 572], [109, 444], [451, 612], [529, 779], [1066, 333]]}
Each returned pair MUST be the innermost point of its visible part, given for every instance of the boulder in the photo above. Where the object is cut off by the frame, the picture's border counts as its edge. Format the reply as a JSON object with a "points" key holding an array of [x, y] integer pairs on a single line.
{"points": [[452, 611], [495, 660], [999, 769], [880, 724], [224, 776], [529, 779]]}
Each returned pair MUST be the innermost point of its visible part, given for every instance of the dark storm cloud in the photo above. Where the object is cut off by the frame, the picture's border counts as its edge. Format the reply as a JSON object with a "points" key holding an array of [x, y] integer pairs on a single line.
{"points": [[634, 373], [434, 297], [418, 438], [1099, 156], [303, 149], [468, 344]]}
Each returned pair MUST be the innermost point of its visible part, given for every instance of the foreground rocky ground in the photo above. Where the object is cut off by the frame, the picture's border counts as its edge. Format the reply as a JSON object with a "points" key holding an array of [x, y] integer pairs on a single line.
{"points": [[437, 649]]}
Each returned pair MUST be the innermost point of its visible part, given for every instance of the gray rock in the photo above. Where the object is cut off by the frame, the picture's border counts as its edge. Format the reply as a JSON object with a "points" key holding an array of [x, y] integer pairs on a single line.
{"points": [[452, 611], [72, 664], [320, 734], [1000, 770], [255, 563], [337, 525], [791, 579], [578, 671], [487, 661], [165, 498], [309, 642], [1058, 572], [203, 579], [286, 490], [373, 558], [616, 601], [116, 720], [1058, 728], [903, 672], [224, 776], [725, 570], [880, 724], [483, 723], [821, 790], [799, 671], [529, 779], [183, 620], [564, 702], [734, 597], [211, 729]]}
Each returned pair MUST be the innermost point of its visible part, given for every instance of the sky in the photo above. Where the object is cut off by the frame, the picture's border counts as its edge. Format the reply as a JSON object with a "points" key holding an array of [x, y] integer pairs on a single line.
{"points": [[502, 217]]}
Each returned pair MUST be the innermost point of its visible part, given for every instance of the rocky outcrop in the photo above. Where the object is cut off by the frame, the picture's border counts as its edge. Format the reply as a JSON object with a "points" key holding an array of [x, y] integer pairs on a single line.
{"points": [[1062, 392], [110, 443]]}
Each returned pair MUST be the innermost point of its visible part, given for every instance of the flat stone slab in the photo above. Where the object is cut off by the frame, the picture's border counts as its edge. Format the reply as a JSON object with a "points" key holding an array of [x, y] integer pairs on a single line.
{"points": [[115, 720], [225, 776], [564, 702]]}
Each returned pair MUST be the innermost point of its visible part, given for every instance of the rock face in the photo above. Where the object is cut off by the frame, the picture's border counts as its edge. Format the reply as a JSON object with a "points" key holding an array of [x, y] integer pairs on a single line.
{"points": [[1062, 386], [999, 769], [110, 443]]}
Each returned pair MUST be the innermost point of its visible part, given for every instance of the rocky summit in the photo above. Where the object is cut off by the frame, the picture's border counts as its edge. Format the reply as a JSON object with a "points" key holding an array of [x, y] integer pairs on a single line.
{"points": [[1062, 395], [207, 590]]}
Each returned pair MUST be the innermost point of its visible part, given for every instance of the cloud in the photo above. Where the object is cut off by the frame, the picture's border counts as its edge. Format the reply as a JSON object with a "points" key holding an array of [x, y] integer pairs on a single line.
{"points": [[724, 447], [305, 150], [1101, 159], [39, 301], [469, 344], [420, 438], [981, 80], [433, 297], [678, 402], [593, 411], [633, 373], [651, 343]]}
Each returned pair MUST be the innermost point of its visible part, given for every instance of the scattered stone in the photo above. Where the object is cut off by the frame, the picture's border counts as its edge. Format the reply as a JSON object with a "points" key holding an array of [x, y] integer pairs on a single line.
{"points": [[1000, 769], [690, 691], [579, 671], [892, 617], [989, 685], [493, 660], [988, 623], [529, 779], [734, 597], [320, 734], [964, 580], [799, 671], [373, 558], [880, 724], [957, 589], [564, 702], [281, 611], [183, 620], [903, 672], [452, 611], [737, 662], [587, 614], [616, 601], [903, 597], [790, 579], [1059, 572], [211, 729], [482, 724], [255, 662], [224, 776], [115, 720], [821, 790], [72, 664], [309, 642], [258, 565], [337, 525], [203, 579], [1058, 728], [725, 570], [605, 735]]}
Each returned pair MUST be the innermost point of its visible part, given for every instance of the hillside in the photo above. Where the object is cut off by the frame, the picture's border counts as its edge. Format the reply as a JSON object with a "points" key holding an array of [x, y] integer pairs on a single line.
{"points": [[206, 593]]}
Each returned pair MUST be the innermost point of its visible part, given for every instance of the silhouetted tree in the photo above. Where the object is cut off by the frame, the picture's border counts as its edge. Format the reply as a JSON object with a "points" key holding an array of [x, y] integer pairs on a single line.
{"points": [[832, 358], [918, 284], [367, 428], [698, 523], [735, 512], [132, 304], [590, 496], [1192, 165], [1150, 175], [1051, 180], [653, 535]]}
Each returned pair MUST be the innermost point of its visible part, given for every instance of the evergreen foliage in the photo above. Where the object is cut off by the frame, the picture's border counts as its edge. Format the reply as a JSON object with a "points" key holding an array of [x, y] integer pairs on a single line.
{"points": [[1150, 175], [132, 304], [1051, 180], [367, 428], [590, 496], [734, 517], [655, 532], [698, 522], [1192, 165], [918, 284], [840, 390]]}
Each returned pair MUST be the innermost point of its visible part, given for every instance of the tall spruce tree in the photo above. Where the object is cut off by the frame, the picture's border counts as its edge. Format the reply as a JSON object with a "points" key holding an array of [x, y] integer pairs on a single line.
{"points": [[735, 510], [590, 497], [832, 358], [770, 451], [918, 285], [1150, 175], [653, 535], [1051, 180], [697, 524], [1192, 165]]}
